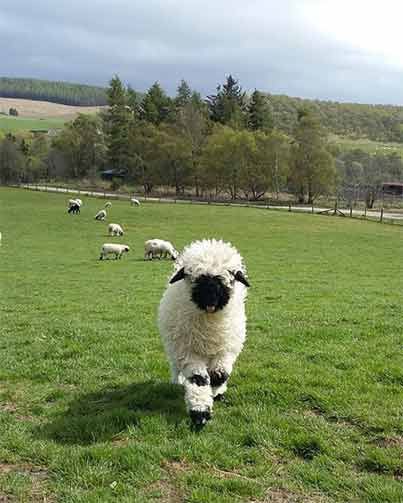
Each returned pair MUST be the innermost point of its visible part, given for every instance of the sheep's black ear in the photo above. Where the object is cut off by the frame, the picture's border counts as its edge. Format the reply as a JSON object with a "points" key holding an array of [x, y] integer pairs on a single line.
{"points": [[178, 276], [239, 276]]}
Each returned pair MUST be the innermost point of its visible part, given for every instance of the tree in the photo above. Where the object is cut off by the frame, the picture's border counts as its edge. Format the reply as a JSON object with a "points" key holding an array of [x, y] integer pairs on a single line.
{"points": [[82, 145], [312, 170], [259, 114], [133, 102], [193, 127], [228, 154], [11, 161], [117, 119], [156, 106], [271, 163], [228, 105], [183, 95]]}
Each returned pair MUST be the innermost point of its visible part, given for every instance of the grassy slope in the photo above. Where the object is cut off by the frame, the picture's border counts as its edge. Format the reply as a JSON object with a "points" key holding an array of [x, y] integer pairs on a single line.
{"points": [[372, 147], [314, 407], [19, 124]]}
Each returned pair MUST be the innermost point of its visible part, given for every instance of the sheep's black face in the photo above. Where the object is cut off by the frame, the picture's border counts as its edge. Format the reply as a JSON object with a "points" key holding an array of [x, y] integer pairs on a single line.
{"points": [[210, 294]]}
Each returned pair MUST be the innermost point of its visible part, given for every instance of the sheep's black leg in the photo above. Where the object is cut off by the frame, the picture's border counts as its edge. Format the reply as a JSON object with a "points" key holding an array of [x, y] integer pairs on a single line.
{"points": [[199, 380], [218, 377]]}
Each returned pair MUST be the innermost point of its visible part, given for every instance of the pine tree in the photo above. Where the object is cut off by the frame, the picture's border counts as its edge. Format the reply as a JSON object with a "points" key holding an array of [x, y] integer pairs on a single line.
{"points": [[117, 121], [183, 95], [228, 105], [259, 114], [156, 106]]}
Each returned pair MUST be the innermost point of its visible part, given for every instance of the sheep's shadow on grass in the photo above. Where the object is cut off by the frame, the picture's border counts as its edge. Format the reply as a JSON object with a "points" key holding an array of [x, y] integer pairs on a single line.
{"points": [[101, 416]]}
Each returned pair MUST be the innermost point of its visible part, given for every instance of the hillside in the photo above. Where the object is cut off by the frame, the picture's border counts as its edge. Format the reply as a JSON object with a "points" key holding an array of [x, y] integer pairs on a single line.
{"points": [[383, 123], [44, 109], [53, 91], [353, 121]]}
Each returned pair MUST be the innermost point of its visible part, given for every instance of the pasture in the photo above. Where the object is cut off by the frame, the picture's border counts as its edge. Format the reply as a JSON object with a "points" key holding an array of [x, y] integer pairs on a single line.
{"points": [[314, 411], [24, 124]]}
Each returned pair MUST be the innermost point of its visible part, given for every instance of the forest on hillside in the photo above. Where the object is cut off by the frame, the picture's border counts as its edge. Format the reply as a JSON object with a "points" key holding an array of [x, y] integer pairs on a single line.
{"points": [[227, 146], [352, 120], [64, 93]]}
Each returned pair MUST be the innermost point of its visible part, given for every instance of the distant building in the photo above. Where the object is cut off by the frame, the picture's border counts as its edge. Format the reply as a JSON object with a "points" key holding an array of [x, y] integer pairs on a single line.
{"points": [[110, 174], [393, 188]]}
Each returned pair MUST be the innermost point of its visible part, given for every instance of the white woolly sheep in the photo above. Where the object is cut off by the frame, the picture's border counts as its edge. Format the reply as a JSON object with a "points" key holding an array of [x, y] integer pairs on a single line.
{"points": [[73, 202], [101, 215], [113, 249], [159, 248], [134, 201], [115, 230], [202, 322]]}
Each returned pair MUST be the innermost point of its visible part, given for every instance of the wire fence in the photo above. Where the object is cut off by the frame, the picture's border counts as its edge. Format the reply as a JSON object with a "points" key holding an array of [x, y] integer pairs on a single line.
{"points": [[378, 215]]}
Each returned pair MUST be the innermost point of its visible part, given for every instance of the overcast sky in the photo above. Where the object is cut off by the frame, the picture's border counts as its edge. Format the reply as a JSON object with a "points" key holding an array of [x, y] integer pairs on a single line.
{"points": [[345, 50]]}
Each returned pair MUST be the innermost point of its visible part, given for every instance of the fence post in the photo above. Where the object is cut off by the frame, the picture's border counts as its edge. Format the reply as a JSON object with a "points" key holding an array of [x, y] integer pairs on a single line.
{"points": [[289, 206], [381, 219], [365, 211], [312, 209], [351, 211]]}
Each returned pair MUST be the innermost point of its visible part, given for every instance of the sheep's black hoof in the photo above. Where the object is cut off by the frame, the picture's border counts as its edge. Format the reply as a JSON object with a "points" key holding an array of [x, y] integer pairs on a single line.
{"points": [[199, 380], [218, 377], [219, 398], [199, 418]]}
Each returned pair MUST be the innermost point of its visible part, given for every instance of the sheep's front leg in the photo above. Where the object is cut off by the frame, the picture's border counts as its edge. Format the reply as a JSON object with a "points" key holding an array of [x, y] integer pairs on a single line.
{"points": [[198, 392], [219, 371]]}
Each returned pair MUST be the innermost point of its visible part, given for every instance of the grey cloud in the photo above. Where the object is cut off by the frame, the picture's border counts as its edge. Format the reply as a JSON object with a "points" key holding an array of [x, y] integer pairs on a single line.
{"points": [[267, 45]]}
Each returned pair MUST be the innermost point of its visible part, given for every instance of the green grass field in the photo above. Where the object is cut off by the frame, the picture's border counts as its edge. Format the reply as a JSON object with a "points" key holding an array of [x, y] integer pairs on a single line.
{"points": [[21, 124], [369, 146], [314, 411]]}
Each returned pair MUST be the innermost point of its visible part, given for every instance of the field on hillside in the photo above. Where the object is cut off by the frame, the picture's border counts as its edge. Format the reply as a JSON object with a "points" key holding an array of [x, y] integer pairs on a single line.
{"points": [[43, 109], [38, 114], [87, 414], [22, 124], [369, 146]]}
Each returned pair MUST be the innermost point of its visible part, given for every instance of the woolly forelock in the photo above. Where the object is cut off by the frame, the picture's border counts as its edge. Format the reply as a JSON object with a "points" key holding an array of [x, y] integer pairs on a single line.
{"points": [[211, 257]]}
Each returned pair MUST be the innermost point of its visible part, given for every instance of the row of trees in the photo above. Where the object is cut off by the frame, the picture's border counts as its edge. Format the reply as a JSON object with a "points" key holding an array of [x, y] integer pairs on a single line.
{"points": [[375, 122], [225, 146], [56, 92]]}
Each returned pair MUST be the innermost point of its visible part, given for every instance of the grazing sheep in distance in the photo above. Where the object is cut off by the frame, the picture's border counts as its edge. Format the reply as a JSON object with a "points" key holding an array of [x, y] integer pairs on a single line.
{"points": [[72, 202], [113, 249], [74, 208], [159, 248], [115, 230], [101, 215], [134, 201], [202, 322]]}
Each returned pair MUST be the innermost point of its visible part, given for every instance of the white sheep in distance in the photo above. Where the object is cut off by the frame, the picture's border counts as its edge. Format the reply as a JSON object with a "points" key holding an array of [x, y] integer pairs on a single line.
{"points": [[202, 322], [115, 230], [134, 201], [159, 248], [113, 249], [101, 215], [73, 202]]}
